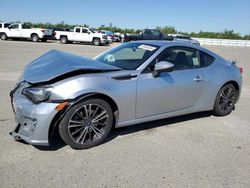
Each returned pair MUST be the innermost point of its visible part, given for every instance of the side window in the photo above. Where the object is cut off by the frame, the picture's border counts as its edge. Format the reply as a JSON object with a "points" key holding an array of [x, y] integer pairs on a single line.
{"points": [[84, 31], [78, 30], [6, 25], [1, 25], [147, 32], [181, 57], [206, 59], [156, 33], [14, 26], [25, 26]]}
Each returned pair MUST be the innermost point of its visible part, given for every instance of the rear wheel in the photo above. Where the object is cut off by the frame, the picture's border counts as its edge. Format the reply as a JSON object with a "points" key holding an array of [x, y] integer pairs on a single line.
{"points": [[64, 40], [3, 36], [34, 38], [86, 124], [97, 42], [225, 100]]}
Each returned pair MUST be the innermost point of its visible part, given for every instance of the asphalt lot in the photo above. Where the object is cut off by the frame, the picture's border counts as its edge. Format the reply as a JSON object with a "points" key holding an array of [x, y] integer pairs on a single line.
{"points": [[196, 150]]}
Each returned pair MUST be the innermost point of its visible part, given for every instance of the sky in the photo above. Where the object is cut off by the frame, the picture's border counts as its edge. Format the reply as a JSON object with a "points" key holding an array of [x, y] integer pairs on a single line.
{"points": [[184, 15]]}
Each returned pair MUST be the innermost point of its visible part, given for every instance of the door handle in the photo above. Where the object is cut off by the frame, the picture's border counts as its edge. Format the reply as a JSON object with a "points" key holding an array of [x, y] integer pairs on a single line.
{"points": [[198, 79]]}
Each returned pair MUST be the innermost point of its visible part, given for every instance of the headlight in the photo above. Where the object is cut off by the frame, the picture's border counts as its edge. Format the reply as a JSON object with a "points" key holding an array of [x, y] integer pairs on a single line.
{"points": [[104, 36], [37, 94]]}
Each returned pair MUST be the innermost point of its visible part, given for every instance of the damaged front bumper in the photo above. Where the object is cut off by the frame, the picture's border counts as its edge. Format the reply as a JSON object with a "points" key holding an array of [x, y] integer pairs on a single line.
{"points": [[33, 120]]}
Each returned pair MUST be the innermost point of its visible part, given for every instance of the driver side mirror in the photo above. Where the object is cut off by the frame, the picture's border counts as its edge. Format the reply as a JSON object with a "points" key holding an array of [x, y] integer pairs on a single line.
{"points": [[162, 66], [88, 32]]}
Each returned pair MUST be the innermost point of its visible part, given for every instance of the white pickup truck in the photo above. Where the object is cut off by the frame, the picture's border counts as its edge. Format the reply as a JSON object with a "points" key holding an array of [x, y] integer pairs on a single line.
{"points": [[18, 30], [81, 34]]}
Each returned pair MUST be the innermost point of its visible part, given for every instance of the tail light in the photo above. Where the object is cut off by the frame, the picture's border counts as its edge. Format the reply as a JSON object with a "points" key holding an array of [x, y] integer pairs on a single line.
{"points": [[54, 33], [42, 30], [241, 70]]}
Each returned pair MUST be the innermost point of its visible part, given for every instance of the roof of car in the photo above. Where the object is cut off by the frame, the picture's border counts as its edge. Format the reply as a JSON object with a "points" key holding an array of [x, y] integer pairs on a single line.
{"points": [[163, 42], [167, 43]]}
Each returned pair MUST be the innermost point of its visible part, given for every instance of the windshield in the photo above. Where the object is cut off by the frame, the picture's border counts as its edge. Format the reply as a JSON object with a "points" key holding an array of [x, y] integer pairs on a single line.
{"points": [[92, 30], [128, 56]]}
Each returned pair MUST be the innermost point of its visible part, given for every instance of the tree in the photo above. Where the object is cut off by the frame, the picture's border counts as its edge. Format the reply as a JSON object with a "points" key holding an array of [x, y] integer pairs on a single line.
{"points": [[226, 34]]}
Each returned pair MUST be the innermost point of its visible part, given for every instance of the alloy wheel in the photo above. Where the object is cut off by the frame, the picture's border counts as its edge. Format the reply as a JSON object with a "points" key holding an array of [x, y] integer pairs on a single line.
{"points": [[227, 99], [87, 124], [3, 37], [96, 42]]}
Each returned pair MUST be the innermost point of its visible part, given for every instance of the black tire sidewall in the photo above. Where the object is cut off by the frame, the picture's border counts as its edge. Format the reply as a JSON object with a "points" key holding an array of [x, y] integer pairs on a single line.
{"points": [[35, 38], [216, 110], [64, 40], [63, 126], [3, 34], [98, 43]]}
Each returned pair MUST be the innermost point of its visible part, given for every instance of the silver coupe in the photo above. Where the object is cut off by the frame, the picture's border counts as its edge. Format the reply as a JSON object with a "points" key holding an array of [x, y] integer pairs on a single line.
{"points": [[132, 83]]}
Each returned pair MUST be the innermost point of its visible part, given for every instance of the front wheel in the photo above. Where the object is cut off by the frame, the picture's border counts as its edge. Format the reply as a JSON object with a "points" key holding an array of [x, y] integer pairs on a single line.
{"points": [[35, 38], [86, 124], [97, 42], [225, 100]]}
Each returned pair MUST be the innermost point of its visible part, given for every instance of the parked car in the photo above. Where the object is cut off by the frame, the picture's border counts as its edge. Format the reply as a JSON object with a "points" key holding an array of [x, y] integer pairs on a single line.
{"points": [[184, 38], [110, 35], [132, 83], [54, 30], [118, 37], [18, 30], [81, 34], [147, 34]]}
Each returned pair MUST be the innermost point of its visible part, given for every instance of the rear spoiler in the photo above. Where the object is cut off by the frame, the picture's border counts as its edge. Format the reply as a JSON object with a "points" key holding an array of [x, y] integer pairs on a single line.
{"points": [[234, 62]]}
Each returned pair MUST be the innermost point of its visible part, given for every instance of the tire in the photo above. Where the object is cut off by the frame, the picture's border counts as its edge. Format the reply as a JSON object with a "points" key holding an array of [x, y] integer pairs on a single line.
{"points": [[3, 36], [225, 100], [86, 124], [64, 40], [96, 41], [34, 38], [44, 40]]}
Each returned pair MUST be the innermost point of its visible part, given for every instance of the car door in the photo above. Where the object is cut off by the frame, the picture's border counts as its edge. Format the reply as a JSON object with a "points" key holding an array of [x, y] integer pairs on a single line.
{"points": [[26, 31], [14, 31], [85, 35], [147, 35], [171, 91], [78, 34]]}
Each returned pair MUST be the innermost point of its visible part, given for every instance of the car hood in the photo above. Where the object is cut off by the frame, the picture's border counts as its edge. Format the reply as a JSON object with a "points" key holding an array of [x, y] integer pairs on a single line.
{"points": [[56, 64]]}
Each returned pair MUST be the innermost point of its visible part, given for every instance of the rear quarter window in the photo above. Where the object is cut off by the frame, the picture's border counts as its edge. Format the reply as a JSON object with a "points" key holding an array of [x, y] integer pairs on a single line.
{"points": [[206, 59]]}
